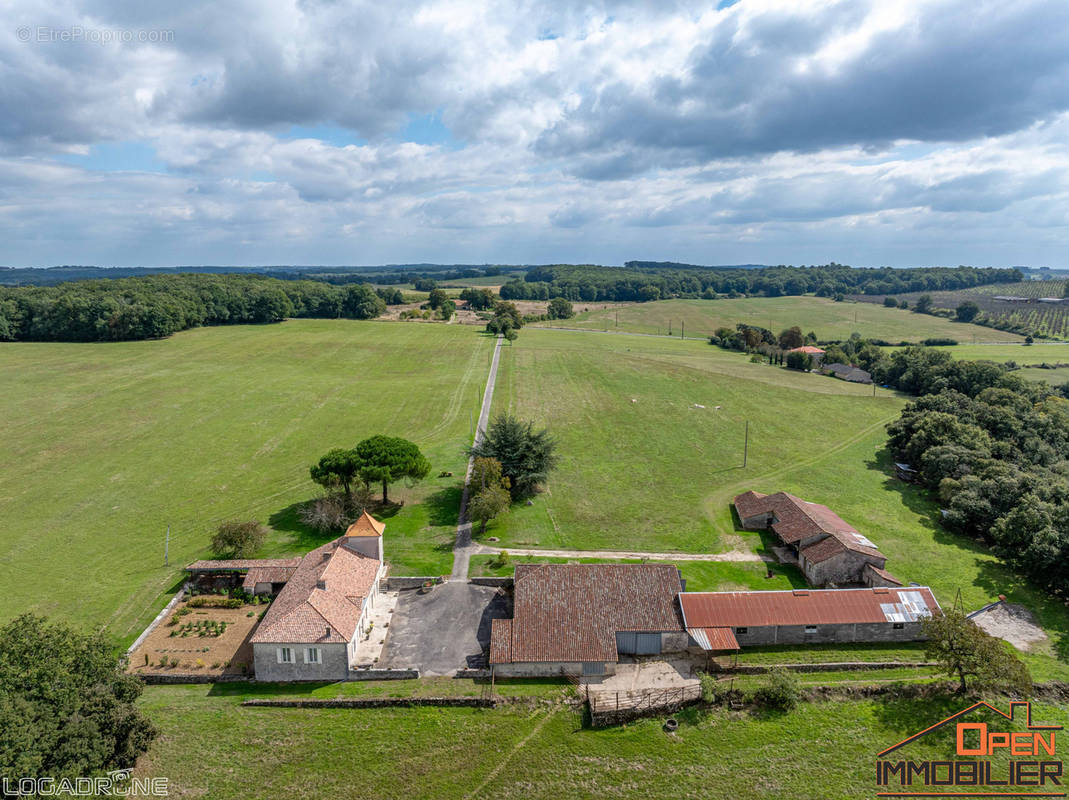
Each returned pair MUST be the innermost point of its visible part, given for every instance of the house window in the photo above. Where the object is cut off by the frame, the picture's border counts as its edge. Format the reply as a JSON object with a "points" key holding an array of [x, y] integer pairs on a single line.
{"points": [[898, 626], [285, 655], [810, 628], [311, 656], [739, 631]]}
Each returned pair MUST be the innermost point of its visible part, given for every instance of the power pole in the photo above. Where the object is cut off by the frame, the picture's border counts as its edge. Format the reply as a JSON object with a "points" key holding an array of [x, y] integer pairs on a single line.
{"points": [[669, 327], [746, 445], [617, 318], [167, 548], [682, 329]]}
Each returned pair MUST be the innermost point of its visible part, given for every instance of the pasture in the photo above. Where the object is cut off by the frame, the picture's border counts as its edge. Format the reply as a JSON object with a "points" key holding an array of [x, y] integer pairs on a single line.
{"points": [[210, 746], [658, 474], [106, 445], [828, 319], [1029, 357]]}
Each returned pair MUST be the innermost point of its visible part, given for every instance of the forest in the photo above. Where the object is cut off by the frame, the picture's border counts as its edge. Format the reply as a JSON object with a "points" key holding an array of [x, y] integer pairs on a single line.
{"points": [[155, 306], [635, 283]]}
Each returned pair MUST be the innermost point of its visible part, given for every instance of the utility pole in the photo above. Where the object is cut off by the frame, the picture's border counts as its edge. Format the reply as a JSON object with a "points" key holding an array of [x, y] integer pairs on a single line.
{"points": [[682, 329], [617, 318], [669, 327], [746, 445], [167, 548]]}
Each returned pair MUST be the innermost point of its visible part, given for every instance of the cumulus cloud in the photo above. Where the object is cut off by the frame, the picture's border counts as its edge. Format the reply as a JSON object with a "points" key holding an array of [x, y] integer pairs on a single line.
{"points": [[771, 130]]}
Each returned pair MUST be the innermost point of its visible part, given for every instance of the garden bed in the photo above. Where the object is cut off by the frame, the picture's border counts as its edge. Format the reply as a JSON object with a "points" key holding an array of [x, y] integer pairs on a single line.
{"points": [[202, 641]]}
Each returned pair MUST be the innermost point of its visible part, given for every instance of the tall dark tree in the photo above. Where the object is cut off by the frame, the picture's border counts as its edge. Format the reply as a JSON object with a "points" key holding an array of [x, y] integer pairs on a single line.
{"points": [[386, 459], [527, 455], [361, 302], [339, 467], [967, 311], [973, 656], [67, 707]]}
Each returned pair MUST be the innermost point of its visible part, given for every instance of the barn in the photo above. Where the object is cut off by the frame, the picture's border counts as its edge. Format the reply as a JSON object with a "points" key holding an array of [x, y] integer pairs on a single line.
{"points": [[580, 619], [725, 621], [830, 551]]}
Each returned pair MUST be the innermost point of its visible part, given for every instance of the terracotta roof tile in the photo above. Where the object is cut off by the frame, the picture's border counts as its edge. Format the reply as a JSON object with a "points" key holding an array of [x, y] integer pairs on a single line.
{"points": [[500, 641], [571, 612], [366, 525], [241, 564], [323, 598], [797, 519], [257, 575]]}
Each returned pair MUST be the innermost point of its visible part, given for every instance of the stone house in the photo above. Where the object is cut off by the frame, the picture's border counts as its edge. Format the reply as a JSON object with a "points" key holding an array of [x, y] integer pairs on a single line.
{"points": [[829, 551], [580, 619], [727, 621]]}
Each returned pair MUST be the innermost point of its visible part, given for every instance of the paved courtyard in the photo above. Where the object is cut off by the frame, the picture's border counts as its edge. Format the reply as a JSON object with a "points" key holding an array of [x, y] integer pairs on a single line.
{"points": [[444, 630], [369, 647]]}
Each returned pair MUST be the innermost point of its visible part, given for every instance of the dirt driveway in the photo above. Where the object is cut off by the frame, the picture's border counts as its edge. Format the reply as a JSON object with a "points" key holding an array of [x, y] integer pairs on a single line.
{"points": [[444, 630]]}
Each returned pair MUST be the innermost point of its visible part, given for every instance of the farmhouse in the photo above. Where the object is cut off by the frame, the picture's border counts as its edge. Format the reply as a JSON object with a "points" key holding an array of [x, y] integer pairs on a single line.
{"points": [[815, 352], [311, 630], [724, 621], [829, 551], [579, 619]]}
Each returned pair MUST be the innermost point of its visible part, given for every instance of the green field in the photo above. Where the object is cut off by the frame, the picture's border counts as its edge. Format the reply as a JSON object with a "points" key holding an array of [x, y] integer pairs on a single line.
{"points": [[212, 747], [659, 474], [1039, 353], [826, 318], [106, 445]]}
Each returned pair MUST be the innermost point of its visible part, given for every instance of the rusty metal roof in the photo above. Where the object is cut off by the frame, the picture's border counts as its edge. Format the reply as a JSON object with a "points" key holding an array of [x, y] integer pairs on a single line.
{"points": [[806, 607], [571, 612], [714, 638]]}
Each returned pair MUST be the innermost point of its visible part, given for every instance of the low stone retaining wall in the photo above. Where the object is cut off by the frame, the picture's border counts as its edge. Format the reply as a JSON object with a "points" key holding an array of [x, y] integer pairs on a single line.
{"points": [[167, 609], [396, 584], [382, 674], [375, 702], [490, 580], [473, 674], [188, 677], [839, 666]]}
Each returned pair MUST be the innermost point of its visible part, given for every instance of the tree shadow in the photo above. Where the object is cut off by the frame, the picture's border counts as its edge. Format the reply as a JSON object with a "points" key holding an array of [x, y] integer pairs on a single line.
{"points": [[443, 507], [302, 537]]}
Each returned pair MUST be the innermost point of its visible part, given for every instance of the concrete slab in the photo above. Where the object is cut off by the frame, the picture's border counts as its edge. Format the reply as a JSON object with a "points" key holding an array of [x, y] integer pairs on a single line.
{"points": [[444, 630], [369, 648]]}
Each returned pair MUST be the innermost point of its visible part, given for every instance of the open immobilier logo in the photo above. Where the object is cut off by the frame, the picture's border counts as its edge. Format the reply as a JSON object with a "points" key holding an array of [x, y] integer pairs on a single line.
{"points": [[1033, 768]]}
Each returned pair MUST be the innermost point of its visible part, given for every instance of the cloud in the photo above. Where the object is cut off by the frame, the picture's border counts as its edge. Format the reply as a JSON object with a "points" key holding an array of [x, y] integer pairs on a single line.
{"points": [[765, 130]]}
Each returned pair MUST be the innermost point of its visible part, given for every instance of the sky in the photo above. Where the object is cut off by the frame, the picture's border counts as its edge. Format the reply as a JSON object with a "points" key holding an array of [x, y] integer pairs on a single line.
{"points": [[868, 132]]}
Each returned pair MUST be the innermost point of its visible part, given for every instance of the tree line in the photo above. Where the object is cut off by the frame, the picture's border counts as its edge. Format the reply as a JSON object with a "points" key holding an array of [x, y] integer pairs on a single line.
{"points": [[156, 306], [637, 283]]}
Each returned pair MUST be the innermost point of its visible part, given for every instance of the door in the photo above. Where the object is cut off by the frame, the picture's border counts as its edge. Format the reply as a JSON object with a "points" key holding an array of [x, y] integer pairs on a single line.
{"points": [[638, 644]]}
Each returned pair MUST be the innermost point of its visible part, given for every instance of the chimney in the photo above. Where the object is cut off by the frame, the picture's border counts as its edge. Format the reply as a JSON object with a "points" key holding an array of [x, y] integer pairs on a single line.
{"points": [[321, 584], [327, 634]]}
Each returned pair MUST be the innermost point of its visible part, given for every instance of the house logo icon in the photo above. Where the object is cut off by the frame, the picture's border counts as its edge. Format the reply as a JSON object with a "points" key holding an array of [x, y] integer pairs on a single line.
{"points": [[1007, 756]]}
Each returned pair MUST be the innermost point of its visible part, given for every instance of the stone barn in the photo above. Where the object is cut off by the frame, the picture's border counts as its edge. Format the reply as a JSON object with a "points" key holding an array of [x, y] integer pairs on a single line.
{"points": [[580, 619], [725, 621], [829, 551]]}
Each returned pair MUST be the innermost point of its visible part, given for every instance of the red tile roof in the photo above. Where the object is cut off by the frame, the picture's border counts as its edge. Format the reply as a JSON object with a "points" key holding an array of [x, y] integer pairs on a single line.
{"points": [[808, 348], [571, 612], [241, 564], [366, 525], [887, 576], [500, 641], [826, 548], [797, 519], [257, 575], [323, 599], [806, 607]]}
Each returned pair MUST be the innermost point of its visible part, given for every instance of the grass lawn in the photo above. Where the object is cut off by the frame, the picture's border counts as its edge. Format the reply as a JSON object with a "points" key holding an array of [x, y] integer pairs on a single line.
{"points": [[106, 445], [828, 319], [212, 747], [650, 429], [659, 474]]}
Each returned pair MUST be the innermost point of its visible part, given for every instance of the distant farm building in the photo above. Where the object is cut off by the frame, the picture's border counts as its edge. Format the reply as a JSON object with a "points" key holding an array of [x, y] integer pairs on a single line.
{"points": [[726, 621], [829, 551], [847, 373], [580, 619], [815, 352]]}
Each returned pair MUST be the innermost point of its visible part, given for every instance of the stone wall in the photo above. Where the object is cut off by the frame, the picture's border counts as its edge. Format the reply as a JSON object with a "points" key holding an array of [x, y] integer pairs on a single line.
{"points": [[545, 669], [374, 702], [334, 666], [401, 582], [189, 677], [382, 674], [489, 580], [846, 632], [167, 609]]}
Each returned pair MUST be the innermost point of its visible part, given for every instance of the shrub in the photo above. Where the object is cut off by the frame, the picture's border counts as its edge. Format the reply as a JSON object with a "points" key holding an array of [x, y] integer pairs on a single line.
{"points": [[238, 539], [501, 559], [711, 690], [334, 511], [174, 662], [780, 692], [939, 342], [206, 601]]}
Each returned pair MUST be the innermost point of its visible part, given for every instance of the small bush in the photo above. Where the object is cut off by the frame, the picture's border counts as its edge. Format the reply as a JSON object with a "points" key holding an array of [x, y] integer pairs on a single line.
{"points": [[939, 342], [781, 691], [235, 539], [711, 689]]}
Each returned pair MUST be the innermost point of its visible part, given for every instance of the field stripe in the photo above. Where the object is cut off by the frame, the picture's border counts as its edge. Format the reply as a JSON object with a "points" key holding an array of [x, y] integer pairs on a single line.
{"points": [[508, 756]]}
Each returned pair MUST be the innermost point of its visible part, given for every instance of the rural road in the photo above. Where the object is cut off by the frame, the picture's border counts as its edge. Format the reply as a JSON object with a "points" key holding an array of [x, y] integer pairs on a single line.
{"points": [[733, 555], [463, 548]]}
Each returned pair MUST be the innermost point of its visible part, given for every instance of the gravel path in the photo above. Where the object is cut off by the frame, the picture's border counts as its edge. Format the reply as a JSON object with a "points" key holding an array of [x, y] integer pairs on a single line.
{"points": [[464, 548]]}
